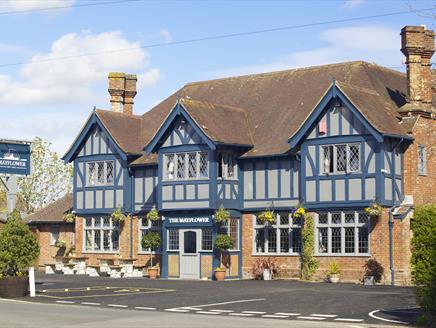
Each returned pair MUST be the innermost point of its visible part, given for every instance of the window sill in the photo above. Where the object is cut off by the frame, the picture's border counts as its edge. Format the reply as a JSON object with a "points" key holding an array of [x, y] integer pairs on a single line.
{"points": [[102, 252], [184, 180], [148, 253], [275, 254], [342, 255]]}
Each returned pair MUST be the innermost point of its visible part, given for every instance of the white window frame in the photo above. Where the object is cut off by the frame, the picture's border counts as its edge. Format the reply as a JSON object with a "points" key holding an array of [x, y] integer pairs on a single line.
{"points": [[168, 239], [172, 158], [54, 235], [227, 159], [201, 242], [277, 226], [155, 226], [225, 229], [334, 153], [422, 160], [94, 181], [112, 227], [342, 225]]}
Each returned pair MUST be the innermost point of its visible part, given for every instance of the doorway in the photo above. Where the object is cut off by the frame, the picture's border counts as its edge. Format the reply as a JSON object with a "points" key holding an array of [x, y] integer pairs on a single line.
{"points": [[189, 256]]}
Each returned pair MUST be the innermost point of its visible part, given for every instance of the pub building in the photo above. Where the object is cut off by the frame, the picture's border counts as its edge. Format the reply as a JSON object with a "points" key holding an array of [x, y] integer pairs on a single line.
{"points": [[335, 139]]}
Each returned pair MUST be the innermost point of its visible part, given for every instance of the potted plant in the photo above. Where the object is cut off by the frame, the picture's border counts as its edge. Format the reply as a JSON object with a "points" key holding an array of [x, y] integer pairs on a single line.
{"points": [[374, 211], [151, 240], [222, 216], [118, 215], [298, 212], [373, 272], [69, 217], [267, 217], [153, 215], [18, 249], [334, 272], [222, 243]]}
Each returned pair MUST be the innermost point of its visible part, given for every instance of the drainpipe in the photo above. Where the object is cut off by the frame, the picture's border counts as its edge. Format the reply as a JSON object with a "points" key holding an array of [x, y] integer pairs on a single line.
{"points": [[391, 246]]}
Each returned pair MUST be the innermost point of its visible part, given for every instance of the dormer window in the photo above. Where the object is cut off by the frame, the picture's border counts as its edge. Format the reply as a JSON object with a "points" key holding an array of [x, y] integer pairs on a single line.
{"points": [[186, 166], [337, 159]]}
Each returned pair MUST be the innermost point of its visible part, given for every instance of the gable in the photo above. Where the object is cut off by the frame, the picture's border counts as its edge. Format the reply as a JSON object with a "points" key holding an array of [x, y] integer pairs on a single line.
{"points": [[182, 133], [93, 139]]}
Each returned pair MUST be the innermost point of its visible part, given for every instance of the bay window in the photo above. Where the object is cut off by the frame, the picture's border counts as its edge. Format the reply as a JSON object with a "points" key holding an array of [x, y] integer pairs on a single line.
{"points": [[340, 158], [100, 173], [185, 166], [227, 168]]}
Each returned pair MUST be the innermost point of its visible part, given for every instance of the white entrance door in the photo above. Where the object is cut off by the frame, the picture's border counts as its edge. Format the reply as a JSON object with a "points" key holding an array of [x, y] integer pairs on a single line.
{"points": [[189, 257]]}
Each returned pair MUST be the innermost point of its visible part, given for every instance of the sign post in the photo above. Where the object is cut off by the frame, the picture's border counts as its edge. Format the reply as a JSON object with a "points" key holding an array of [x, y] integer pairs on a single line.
{"points": [[14, 162]]}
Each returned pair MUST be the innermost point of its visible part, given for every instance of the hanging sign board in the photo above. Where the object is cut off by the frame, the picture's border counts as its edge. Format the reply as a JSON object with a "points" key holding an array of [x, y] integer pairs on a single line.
{"points": [[14, 157]]}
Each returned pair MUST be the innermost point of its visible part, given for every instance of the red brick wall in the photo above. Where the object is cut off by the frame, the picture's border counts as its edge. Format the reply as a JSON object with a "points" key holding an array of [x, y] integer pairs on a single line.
{"points": [[421, 187], [43, 234], [352, 267]]}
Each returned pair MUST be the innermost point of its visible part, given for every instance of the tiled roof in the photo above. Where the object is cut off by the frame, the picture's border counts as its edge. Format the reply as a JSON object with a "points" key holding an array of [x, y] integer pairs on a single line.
{"points": [[265, 110], [53, 212]]}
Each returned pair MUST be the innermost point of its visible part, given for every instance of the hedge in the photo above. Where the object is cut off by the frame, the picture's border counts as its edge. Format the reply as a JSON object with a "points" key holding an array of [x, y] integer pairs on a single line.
{"points": [[424, 256]]}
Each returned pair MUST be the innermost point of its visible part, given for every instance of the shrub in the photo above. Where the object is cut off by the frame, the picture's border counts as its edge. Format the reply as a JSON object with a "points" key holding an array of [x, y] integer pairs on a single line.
{"points": [[375, 269], [18, 246], [424, 256], [151, 240], [308, 262], [223, 243]]}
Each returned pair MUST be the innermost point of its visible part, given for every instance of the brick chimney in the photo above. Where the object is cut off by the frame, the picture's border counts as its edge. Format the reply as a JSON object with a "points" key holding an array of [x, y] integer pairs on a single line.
{"points": [[122, 88], [418, 47]]}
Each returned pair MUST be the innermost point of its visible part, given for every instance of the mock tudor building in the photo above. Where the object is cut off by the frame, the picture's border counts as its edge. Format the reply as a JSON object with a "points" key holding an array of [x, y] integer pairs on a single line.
{"points": [[334, 138]]}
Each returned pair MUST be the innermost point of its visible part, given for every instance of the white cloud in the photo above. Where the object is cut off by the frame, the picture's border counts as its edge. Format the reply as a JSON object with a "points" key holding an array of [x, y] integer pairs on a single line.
{"points": [[69, 81], [165, 34], [20, 5], [351, 4], [341, 44]]}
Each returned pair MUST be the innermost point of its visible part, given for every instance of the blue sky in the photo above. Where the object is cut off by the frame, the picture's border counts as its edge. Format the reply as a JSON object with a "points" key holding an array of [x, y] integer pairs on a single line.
{"points": [[52, 99]]}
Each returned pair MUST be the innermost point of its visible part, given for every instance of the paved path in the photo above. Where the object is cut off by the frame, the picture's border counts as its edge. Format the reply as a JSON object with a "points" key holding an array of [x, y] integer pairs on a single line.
{"points": [[279, 299]]}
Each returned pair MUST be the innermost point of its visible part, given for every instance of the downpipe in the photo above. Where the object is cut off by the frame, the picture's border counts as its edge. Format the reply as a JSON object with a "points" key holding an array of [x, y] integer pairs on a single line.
{"points": [[391, 246]]}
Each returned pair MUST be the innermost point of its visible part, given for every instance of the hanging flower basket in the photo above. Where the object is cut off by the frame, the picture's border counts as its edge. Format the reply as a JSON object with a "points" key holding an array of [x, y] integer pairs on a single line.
{"points": [[69, 217], [60, 243], [222, 216], [153, 215], [375, 210], [118, 216], [267, 216], [298, 212]]}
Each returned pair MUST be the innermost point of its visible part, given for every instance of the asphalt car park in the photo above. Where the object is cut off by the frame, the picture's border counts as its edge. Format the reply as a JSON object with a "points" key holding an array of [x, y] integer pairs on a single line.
{"points": [[278, 299]]}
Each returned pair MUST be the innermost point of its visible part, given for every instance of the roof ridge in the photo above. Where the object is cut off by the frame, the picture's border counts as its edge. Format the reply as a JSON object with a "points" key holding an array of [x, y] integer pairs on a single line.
{"points": [[297, 69]]}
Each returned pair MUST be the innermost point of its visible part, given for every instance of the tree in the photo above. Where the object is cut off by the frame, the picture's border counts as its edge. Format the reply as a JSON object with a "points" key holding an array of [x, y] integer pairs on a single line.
{"points": [[151, 240], [50, 178], [308, 262], [18, 246], [223, 243]]}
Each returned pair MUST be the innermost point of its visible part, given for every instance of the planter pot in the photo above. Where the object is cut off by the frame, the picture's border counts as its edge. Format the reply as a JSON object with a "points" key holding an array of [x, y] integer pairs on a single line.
{"points": [[220, 274], [334, 278], [11, 287], [267, 274], [152, 273]]}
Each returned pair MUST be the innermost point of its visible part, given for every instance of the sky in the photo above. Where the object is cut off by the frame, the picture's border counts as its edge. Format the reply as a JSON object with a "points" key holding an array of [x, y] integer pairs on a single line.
{"points": [[44, 94]]}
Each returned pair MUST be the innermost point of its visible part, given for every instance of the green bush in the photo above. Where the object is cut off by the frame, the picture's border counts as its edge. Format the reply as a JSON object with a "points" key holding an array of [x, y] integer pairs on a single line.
{"points": [[308, 262], [18, 246], [424, 256]]}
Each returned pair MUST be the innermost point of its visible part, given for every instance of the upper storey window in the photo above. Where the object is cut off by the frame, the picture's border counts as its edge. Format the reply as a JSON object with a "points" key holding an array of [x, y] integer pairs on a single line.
{"points": [[182, 166], [227, 167], [100, 173], [340, 158], [422, 160]]}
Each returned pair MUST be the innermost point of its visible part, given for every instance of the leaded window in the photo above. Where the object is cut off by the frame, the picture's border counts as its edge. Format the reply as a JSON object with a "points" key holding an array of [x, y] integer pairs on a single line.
{"points": [[101, 235], [206, 239], [173, 239], [422, 160], [340, 158], [100, 173], [146, 226], [182, 166], [342, 233], [282, 237]]}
